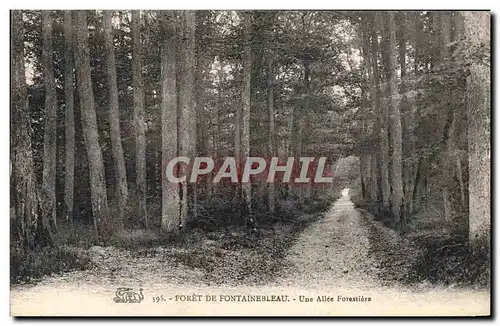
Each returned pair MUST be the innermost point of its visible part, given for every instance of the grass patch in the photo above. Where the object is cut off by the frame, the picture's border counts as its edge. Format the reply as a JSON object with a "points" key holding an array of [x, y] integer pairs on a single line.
{"points": [[27, 266], [450, 260]]}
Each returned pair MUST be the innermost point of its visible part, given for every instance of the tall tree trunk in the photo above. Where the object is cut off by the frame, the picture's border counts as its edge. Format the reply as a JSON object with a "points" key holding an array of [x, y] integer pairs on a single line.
{"points": [[114, 118], [23, 180], [477, 33], [187, 109], [405, 109], [140, 137], [201, 65], [69, 117], [372, 73], [100, 210], [217, 124], [382, 116], [365, 158], [272, 129], [305, 192], [245, 100], [444, 23], [202, 141], [458, 136], [396, 129], [49, 139], [237, 147], [170, 191], [410, 145]]}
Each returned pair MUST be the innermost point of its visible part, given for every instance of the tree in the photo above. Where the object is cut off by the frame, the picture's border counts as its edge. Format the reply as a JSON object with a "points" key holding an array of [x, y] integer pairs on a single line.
{"points": [[396, 129], [140, 137], [187, 108], [368, 169], [202, 67], [477, 34], [24, 194], [49, 141], [410, 20], [97, 180], [444, 21], [170, 191], [382, 115], [114, 117], [202, 61], [272, 128], [69, 117], [245, 109]]}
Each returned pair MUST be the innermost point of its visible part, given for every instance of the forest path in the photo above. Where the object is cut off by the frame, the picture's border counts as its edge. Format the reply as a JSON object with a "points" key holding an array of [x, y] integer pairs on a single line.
{"points": [[338, 257], [335, 251]]}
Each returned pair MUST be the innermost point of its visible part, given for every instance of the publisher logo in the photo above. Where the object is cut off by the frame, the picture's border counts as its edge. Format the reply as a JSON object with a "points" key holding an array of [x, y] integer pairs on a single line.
{"points": [[128, 295]]}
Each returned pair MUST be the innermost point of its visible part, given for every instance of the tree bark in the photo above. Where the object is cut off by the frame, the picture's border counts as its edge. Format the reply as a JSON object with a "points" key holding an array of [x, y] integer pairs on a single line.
{"points": [[370, 66], [170, 191], [272, 130], [100, 210], [406, 111], [382, 116], [245, 99], [23, 179], [396, 129], [477, 33], [69, 117], [140, 137], [114, 118], [201, 64], [49, 139], [444, 23], [187, 109], [411, 167], [365, 158]]}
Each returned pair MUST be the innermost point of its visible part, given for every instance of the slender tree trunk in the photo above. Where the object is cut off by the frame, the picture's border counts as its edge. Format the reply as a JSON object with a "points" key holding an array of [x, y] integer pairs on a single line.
{"points": [[201, 65], [446, 166], [272, 129], [396, 129], [140, 137], [237, 146], [217, 124], [406, 120], [382, 116], [102, 222], [23, 179], [69, 117], [365, 158], [306, 129], [411, 166], [370, 65], [245, 100], [477, 33], [114, 118], [458, 35], [49, 139], [187, 109], [170, 191], [202, 141]]}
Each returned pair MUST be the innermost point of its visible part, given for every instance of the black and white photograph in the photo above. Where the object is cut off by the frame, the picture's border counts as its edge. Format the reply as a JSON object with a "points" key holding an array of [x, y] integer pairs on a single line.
{"points": [[250, 162]]}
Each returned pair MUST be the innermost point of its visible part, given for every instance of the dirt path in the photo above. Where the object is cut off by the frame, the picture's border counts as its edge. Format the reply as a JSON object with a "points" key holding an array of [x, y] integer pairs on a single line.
{"points": [[336, 257], [334, 252]]}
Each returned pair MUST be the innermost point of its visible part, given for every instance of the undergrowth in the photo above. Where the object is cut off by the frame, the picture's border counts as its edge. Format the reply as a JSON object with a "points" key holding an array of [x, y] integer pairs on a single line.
{"points": [[251, 253], [444, 258]]}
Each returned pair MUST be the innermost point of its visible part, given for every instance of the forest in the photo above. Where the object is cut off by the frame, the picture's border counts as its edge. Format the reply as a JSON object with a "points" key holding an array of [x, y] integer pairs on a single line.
{"points": [[101, 101]]}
